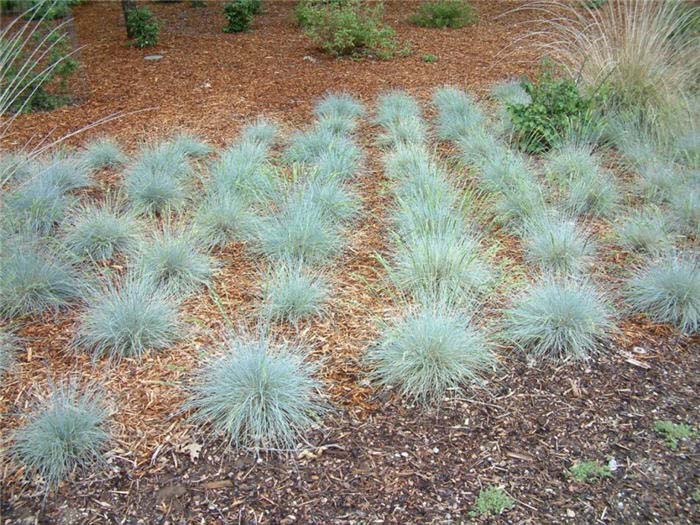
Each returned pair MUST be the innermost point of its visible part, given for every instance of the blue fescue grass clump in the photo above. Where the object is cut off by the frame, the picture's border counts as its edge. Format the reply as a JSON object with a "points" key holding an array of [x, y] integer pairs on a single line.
{"points": [[68, 172], [458, 113], [684, 209], [327, 152], [511, 92], [395, 106], [262, 131], [338, 204], [440, 265], [172, 258], [37, 205], [431, 350], [68, 432], [502, 167], [557, 244], [658, 180], [668, 291], [258, 394], [189, 145], [128, 319], [407, 160], [100, 231], [221, 218], [559, 319], [569, 161], [292, 293], [645, 231], [300, 230], [16, 166], [9, 348], [518, 203], [157, 184], [35, 279], [104, 152], [336, 125], [404, 132], [596, 194], [338, 105], [419, 216], [342, 159], [243, 169], [478, 146]]}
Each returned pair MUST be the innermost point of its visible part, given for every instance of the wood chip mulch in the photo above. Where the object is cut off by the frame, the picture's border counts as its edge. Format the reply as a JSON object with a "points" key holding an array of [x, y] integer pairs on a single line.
{"points": [[376, 460]]}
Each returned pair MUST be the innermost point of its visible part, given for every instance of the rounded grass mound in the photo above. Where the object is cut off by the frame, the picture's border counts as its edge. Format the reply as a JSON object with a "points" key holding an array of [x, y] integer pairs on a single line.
{"points": [[293, 293], [99, 232], [668, 291], [559, 319], [557, 244], [68, 432], [34, 280], [645, 231], [172, 259], [221, 218], [430, 351], [128, 319], [338, 105], [36, 206], [259, 394], [104, 152]]}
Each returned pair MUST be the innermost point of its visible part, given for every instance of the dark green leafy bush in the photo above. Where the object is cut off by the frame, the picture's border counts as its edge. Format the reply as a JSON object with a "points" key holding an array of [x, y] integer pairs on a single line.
{"points": [[557, 106], [38, 75], [349, 28], [240, 15], [143, 26], [444, 13]]}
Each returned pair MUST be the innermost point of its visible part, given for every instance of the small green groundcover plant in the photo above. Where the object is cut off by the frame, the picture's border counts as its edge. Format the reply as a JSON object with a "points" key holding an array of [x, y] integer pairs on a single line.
{"points": [[492, 501], [143, 27], [585, 471], [239, 15], [430, 58], [557, 106], [347, 28], [452, 14], [674, 432]]}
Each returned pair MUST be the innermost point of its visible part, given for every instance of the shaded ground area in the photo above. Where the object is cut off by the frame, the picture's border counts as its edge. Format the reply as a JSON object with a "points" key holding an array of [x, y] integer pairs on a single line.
{"points": [[376, 459]]}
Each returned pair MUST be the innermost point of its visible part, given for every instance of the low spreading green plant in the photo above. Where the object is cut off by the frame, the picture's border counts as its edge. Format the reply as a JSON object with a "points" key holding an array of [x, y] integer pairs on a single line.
{"points": [[143, 26], [128, 319], [559, 319], [428, 352], [674, 432], [556, 106], [239, 15], [492, 501], [258, 394], [444, 13], [668, 290], [349, 28], [293, 293], [429, 58], [98, 232], [68, 431], [103, 153], [171, 258], [34, 280], [585, 471]]}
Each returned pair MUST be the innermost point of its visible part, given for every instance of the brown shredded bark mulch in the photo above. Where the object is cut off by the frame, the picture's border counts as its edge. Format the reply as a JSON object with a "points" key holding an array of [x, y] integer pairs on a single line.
{"points": [[375, 459]]}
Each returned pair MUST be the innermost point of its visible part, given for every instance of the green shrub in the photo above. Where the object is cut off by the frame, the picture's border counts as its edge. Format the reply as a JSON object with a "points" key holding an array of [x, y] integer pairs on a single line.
{"points": [[144, 27], [351, 28], [239, 15], [444, 13], [46, 9], [36, 70], [258, 394], [556, 107], [68, 431]]}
